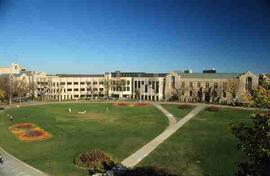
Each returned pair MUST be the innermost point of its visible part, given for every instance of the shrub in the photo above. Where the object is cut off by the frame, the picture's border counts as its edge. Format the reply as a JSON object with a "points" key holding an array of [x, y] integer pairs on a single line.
{"points": [[95, 161], [212, 108], [185, 106], [147, 171]]}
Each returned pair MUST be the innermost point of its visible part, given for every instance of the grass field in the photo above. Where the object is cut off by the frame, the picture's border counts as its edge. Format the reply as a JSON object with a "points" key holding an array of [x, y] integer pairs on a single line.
{"points": [[174, 110], [119, 133], [203, 146]]}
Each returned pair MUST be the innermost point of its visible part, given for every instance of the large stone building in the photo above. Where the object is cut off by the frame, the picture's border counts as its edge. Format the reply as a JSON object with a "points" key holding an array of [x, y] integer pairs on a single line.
{"points": [[208, 86]]}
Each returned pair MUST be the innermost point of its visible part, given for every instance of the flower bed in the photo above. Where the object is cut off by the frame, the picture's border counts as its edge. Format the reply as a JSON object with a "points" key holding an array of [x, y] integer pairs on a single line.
{"points": [[29, 132], [185, 106], [121, 104], [212, 108], [130, 104], [94, 161], [22, 127]]}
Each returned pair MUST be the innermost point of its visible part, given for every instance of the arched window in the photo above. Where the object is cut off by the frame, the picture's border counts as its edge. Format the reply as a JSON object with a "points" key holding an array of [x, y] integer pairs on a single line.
{"points": [[248, 86]]}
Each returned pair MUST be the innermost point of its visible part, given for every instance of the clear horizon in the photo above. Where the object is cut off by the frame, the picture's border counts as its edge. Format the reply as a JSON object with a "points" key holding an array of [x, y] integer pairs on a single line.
{"points": [[83, 37]]}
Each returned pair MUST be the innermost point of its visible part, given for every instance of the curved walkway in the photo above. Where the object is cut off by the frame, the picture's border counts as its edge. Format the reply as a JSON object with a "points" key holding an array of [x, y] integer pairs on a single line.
{"points": [[171, 118], [14, 167], [136, 157]]}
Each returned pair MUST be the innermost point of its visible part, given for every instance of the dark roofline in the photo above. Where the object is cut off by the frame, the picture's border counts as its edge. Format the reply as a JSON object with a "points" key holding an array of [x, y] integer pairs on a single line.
{"points": [[79, 75]]}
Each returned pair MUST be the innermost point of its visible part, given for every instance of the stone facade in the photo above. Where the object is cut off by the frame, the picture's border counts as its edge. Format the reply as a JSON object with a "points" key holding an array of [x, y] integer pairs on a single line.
{"points": [[209, 87]]}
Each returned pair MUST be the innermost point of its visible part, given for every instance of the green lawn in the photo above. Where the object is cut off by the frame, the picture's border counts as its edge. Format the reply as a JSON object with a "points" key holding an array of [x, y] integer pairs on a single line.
{"points": [[177, 112], [119, 133], [203, 146]]}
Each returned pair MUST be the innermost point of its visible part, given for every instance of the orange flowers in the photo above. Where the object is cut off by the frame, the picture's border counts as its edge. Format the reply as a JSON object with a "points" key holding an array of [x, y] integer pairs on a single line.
{"points": [[29, 132]]}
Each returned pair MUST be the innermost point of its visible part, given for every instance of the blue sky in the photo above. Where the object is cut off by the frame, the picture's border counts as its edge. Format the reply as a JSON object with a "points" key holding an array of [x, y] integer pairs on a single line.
{"points": [[154, 36]]}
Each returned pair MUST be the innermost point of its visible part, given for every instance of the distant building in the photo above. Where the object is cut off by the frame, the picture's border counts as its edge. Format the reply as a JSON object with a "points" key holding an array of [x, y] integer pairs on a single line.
{"points": [[186, 86]]}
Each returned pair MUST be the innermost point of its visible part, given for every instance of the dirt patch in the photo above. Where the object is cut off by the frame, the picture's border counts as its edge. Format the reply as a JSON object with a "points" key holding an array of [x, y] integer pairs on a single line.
{"points": [[29, 132], [130, 104]]}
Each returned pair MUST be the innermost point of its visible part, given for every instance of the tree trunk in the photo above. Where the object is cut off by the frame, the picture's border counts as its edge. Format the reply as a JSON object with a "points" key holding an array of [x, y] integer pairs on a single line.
{"points": [[10, 100]]}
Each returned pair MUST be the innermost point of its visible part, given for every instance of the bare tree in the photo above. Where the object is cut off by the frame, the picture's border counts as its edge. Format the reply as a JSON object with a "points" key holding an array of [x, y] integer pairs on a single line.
{"points": [[232, 88], [32, 87], [21, 89], [138, 93], [107, 86], [7, 85], [89, 90]]}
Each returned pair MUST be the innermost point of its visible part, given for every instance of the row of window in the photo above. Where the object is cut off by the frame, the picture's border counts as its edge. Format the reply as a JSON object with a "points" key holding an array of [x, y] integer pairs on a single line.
{"points": [[120, 89], [70, 83], [75, 90], [154, 85], [207, 85]]}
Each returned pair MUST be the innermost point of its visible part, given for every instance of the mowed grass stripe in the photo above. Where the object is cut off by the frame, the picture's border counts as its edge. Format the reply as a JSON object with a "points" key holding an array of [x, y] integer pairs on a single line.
{"points": [[118, 132]]}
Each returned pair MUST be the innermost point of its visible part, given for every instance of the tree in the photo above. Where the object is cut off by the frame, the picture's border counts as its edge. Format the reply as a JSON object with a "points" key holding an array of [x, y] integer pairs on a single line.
{"points": [[107, 86], [21, 89], [232, 88], [7, 85], [32, 87], [2, 94], [255, 143], [120, 85], [261, 96], [255, 139], [138, 93]]}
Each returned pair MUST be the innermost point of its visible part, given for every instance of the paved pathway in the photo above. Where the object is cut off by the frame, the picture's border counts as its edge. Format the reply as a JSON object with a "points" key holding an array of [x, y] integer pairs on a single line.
{"points": [[15, 167], [136, 157], [171, 118]]}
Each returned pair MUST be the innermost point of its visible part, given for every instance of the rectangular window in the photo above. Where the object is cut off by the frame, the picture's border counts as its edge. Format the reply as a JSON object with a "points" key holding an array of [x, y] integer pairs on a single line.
{"points": [[82, 83], [82, 89], [101, 82], [69, 83], [135, 84], [139, 84], [95, 83], [173, 82], [76, 96], [128, 89], [191, 84], [76, 89], [101, 89], [157, 87], [69, 90], [62, 83], [75, 83], [88, 83], [128, 82], [145, 88]]}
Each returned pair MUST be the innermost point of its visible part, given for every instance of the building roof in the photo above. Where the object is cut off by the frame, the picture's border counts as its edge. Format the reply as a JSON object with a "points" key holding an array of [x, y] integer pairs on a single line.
{"points": [[137, 74], [79, 75], [209, 75]]}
